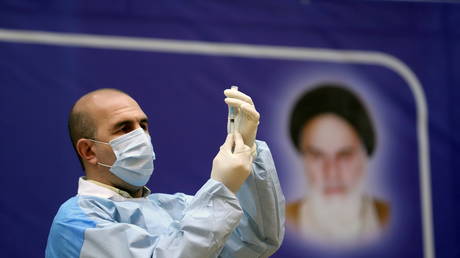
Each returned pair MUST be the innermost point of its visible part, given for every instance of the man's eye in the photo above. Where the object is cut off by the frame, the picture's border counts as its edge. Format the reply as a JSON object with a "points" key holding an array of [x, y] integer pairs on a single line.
{"points": [[316, 155], [313, 155], [346, 154]]}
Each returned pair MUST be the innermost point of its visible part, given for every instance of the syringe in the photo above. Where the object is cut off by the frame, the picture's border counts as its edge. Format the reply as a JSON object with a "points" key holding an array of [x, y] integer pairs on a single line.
{"points": [[232, 113]]}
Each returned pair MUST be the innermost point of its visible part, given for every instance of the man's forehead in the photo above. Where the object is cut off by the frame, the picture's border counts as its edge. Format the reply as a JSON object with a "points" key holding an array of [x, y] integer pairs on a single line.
{"points": [[120, 108], [109, 105], [329, 133]]}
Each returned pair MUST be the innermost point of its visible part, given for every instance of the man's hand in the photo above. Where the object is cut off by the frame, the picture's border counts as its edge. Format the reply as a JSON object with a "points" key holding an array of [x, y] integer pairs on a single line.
{"points": [[232, 169], [248, 116]]}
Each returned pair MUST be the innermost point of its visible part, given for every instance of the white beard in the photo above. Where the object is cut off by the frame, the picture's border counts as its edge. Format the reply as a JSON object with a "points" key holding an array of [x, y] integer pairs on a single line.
{"points": [[339, 220]]}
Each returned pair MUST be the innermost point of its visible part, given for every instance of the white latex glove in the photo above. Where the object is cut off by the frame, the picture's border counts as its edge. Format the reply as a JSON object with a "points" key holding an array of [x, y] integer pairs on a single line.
{"points": [[248, 120], [232, 169]]}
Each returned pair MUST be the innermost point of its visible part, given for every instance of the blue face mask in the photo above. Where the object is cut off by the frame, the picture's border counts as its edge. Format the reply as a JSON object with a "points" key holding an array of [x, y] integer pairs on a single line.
{"points": [[134, 157]]}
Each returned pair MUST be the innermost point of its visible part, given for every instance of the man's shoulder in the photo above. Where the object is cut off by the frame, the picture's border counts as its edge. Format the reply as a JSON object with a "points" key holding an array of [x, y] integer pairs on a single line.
{"points": [[293, 207], [292, 212], [67, 231], [68, 208], [71, 212], [383, 210]]}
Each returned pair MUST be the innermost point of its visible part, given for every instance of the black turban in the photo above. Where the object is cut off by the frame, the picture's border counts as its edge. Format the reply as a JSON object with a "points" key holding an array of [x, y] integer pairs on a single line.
{"points": [[337, 100]]}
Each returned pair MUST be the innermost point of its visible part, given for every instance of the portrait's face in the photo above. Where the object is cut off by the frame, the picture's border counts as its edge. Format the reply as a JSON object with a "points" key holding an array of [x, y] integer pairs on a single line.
{"points": [[333, 155]]}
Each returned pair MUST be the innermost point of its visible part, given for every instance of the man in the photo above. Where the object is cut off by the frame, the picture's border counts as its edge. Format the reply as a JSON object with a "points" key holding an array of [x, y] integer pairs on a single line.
{"points": [[238, 212], [334, 135]]}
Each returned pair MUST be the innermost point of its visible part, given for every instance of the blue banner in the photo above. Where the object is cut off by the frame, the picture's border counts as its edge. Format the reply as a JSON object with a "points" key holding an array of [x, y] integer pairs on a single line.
{"points": [[357, 103]]}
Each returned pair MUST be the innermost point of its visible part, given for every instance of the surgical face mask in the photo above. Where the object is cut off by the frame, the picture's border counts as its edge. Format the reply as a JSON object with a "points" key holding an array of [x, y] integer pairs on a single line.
{"points": [[134, 157]]}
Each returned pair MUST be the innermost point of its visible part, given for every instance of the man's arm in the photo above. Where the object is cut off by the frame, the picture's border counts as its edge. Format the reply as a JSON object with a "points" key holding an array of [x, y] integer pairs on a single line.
{"points": [[261, 229], [208, 218], [196, 226]]}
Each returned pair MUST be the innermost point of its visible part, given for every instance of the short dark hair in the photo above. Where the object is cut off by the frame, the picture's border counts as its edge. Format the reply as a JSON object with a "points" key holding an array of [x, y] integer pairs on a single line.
{"points": [[80, 125], [332, 98]]}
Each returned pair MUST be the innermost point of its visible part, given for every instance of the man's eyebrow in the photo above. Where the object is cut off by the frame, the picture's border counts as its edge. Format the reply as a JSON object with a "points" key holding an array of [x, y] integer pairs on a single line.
{"points": [[311, 150], [347, 149], [120, 124], [127, 122]]}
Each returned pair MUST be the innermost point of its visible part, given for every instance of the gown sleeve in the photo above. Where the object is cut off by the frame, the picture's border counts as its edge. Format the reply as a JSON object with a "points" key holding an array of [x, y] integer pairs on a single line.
{"points": [[214, 222], [207, 220], [261, 229]]}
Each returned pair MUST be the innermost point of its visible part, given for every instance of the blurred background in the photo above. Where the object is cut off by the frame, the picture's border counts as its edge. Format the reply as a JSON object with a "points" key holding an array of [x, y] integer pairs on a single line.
{"points": [[402, 59]]}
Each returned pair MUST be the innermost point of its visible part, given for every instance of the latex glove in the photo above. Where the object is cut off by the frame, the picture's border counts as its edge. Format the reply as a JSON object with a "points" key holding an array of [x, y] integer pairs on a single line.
{"points": [[248, 120], [232, 168]]}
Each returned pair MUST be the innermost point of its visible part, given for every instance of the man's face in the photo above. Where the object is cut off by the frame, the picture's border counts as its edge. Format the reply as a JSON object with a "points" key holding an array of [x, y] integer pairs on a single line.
{"points": [[333, 155], [115, 115]]}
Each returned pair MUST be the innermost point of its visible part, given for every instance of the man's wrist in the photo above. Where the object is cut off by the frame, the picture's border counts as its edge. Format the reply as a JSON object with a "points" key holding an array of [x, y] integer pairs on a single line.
{"points": [[254, 150]]}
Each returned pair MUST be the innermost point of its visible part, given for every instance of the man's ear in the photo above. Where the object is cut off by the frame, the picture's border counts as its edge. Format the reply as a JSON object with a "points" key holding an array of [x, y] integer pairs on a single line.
{"points": [[85, 150]]}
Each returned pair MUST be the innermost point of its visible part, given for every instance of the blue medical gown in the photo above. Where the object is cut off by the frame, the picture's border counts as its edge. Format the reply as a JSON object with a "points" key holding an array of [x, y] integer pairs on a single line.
{"points": [[212, 223]]}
